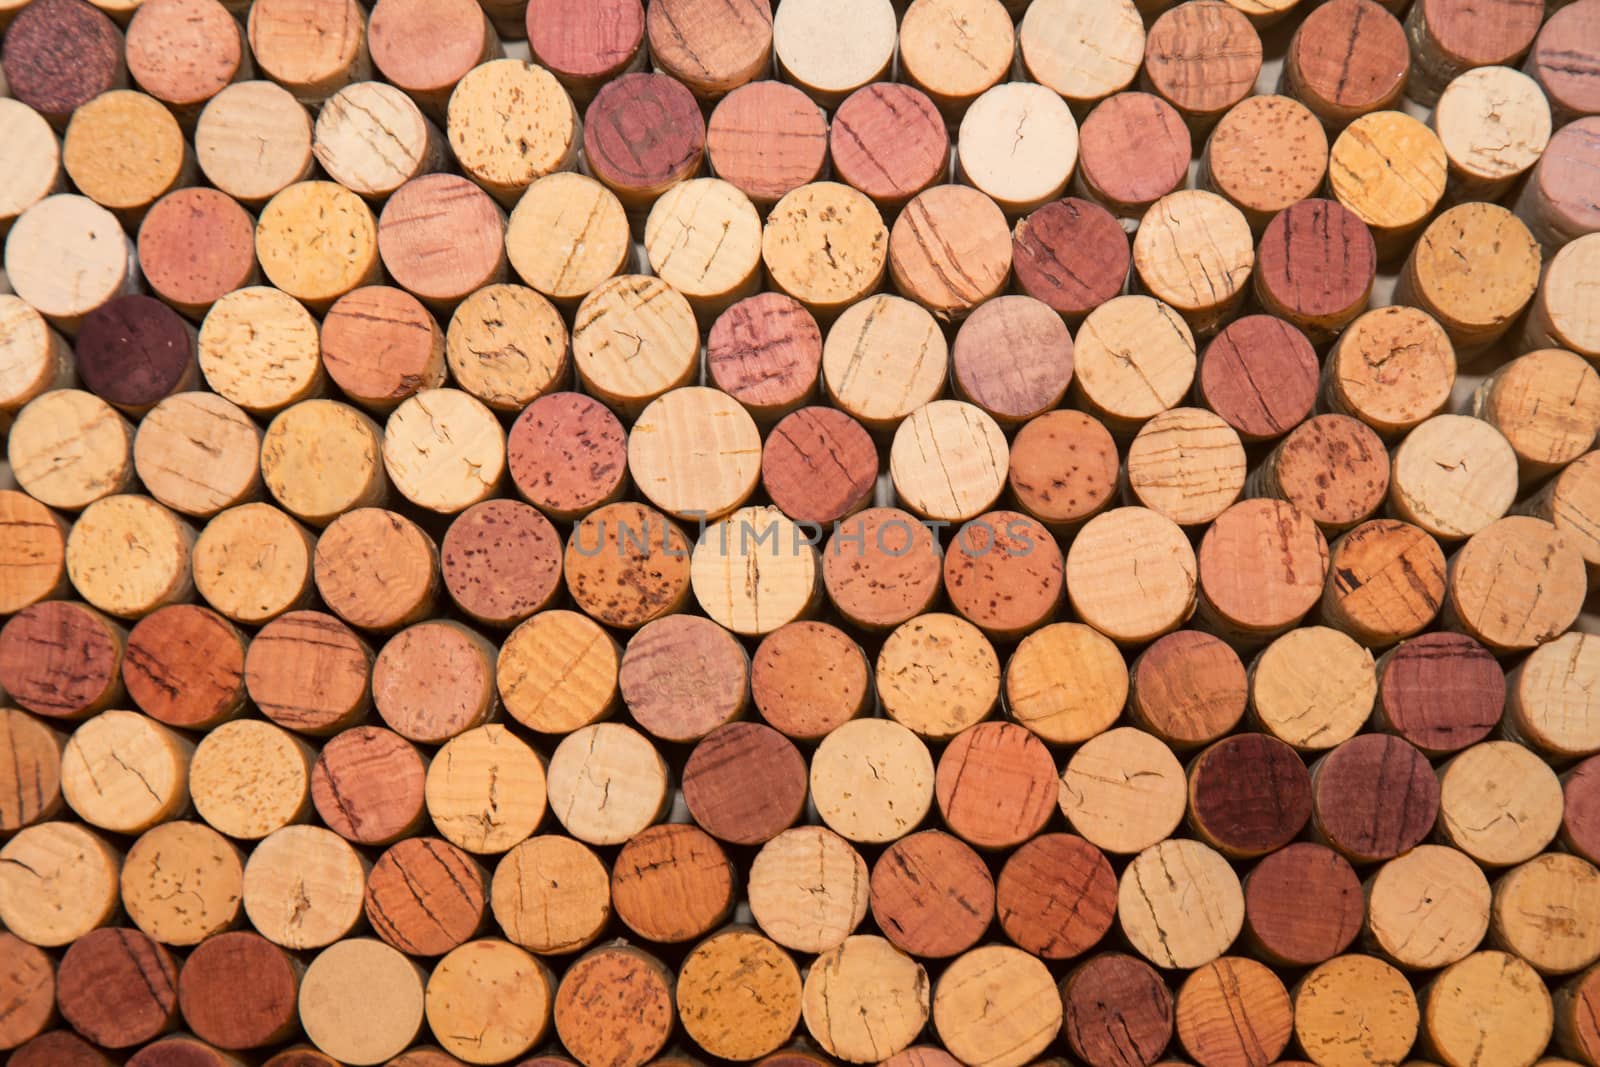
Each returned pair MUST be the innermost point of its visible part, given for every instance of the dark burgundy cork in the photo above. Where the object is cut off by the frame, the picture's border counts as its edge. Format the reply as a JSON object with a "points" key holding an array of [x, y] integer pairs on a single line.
{"points": [[1072, 255], [932, 895], [1442, 692], [185, 666], [180, 1052], [425, 896], [1013, 358], [765, 351], [644, 132], [1260, 375], [117, 987], [745, 783], [767, 138], [1116, 1011], [1133, 149], [1580, 821], [819, 465], [368, 785], [58, 1048], [1302, 905], [59, 55], [889, 141], [134, 350], [1056, 896], [302, 1057], [1249, 795], [1347, 58], [239, 990], [60, 660], [567, 454], [1374, 797], [501, 561], [1316, 264]]}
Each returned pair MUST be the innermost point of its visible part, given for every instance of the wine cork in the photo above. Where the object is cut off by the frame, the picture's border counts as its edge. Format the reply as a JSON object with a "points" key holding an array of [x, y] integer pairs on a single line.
{"points": [[367, 785], [66, 255], [33, 559], [253, 140], [1490, 1003], [1348, 58], [317, 241], [1237, 811], [720, 773], [963, 477], [1544, 913], [1448, 38], [1007, 798], [1018, 144], [808, 889], [711, 48], [1084, 52], [1386, 582], [1234, 1011], [1453, 477], [1188, 689], [59, 1048], [825, 244], [1317, 266], [882, 567], [806, 678], [184, 52], [606, 783], [381, 346], [313, 48], [557, 672], [1346, 783], [258, 348], [61, 660], [804, 487], [185, 667], [1118, 813], [1038, 695], [739, 994], [1134, 358], [1302, 905], [955, 69], [1202, 58], [1013, 358], [932, 896], [889, 141], [1578, 818], [1313, 688], [376, 570], [644, 134], [1116, 1009], [1547, 706], [124, 150], [308, 672], [1575, 1029], [1179, 904], [937, 675], [1547, 404], [501, 562], [441, 238], [1559, 317], [1133, 149], [551, 894], [884, 339], [248, 779], [61, 55], [1441, 692], [1056, 896], [567, 235], [1494, 123], [303, 887], [1390, 171], [1100, 567], [585, 44], [1477, 298], [672, 883], [567, 455], [60, 882], [765, 138], [197, 453], [1499, 803], [1251, 350], [614, 1007], [321, 459], [489, 1001], [1203, 278], [444, 450], [361, 1001], [1552, 203], [33, 781], [737, 590], [864, 999], [830, 48], [29, 982], [133, 351], [434, 680], [1249, 604], [32, 157], [634, 338], [372, 139], [683, 676], [1071, 255], [1562, 61], [1064, 468], [185, 1051], [118, 988], [1547, 584], [507, 346], [627, 564], [425, 49], [1332, 468], [950, 250], [34, 359], [872, 780], [1012, 984], [703, 237], [1004, 574], [103, 572], [695, 452], [1355, 1009], [238, 991], [426, 897], [1266, 153], [1393, 368], [1186, 464]]}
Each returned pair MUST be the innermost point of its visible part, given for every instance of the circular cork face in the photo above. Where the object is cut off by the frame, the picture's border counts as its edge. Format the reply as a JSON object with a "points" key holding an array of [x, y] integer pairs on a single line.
{"points": [[425, 897], [1188, 688], [1249, 351], [558, 672], [615, 1007], [1100, 568], [1570, 319], [1134, 358], [672, 883], [1497, 34], [1388, 581], [507, 346], [819, 465], [123, 149], [872, 780], [1263, 600], [1133, 149], [1202, 277], [993, 785], [567, 454], [1570, 89], [932, 896], [1545, 912], [830, 47], [1186, 464], [807, 678], [634, 338], [1114, 1007], [232, 130], [1265, 154], [1578, 1031], [320, 458], [29, 983], [606, 783], [963, 476], [106, 576], [889, 141], [1179, 904], [937, 675], [1499, 803], [1549, 706], [766, 352], [458, 39], [1302, 905], [34, 359], [1203, 58], [68, 237], [196, 245], [61, 660], [1064, 467], [881, 340], [376, 569], [444, 450], [253, 562], [808, 889], [64, 1047], [1116, 813], [69, 448], [1546, 403], [1393, 368], [1039, 695], [955, 68], [825, 244], [490, 1001], [1432, 488], [118, 988], [311, 49], [695, 452], [745, 783], [317, 241], [361, 1001], [1056, 896], [1429, 907], [1332, 468], [551, 894], [1442, 692], [1543, 599], [308, 672], [567, 235], [1490, 1003], [1346, 786], [134, 350], [643, 134], [32, 157], [1004, 574], [1082, 51], [767, 138], [501, 561], [1317, 265], [1389, 169], [1348, 58], [1070, 254], [1355, 1009], [198, 453], [440, 237], [367, 785], [1013, 358], [627, 564], [1009, 982], [1019, 144], [1494, 123], [34, 553], [371, 138], [703, 237], [738, 994], [1249, 795], [463, 790], [1474, 298], [509, 123], [582, 41], [33, 781], [882, 567], [249, 778], [1556, 187], [950, 250], [1234, 1011], [238, 991], [750, 589], [61, 56], [682, 676], [865, 998], [258, 348], [303, 887], [59, 882], [184, 666]]}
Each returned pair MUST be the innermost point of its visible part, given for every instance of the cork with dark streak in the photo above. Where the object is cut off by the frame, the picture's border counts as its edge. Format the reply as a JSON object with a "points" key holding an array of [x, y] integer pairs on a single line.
{"points": [[996, 785], [1188, 688], [1202, 57], [1071, 255], [238, 990], [711, 46], [1260, 374], [27, 991], [184, 666], [425, 896], [1302, 905], [888, 141], [1316, 266], [1386, 582], [672, 883], [745, 783], [819, 465], [1374, 797], [932, 895], [380, 345], [643, 134], [118, 987], [377, 570], [950, 250], [1117, 1011], [30, 780], [1442, 692], [766, 352], [309, 672], [1056, 896], [1249, 795], [368, 784], [61, 660], [1347, 58]]}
